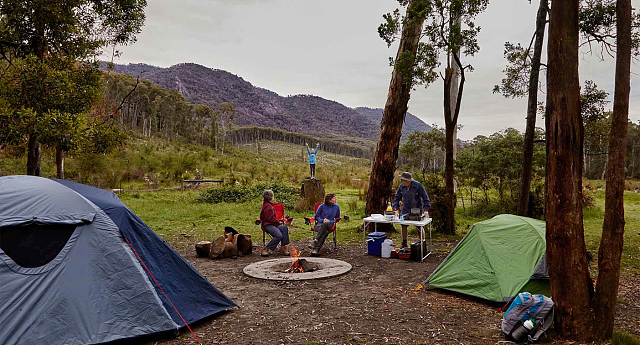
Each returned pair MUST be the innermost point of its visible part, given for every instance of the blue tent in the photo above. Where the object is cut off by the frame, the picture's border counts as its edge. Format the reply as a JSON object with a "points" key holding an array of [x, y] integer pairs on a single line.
{"points": [[79, 267]]}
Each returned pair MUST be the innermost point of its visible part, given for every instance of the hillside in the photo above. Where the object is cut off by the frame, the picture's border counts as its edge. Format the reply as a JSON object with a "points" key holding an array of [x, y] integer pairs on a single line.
{"points": [[411, 122], [264, 108]]}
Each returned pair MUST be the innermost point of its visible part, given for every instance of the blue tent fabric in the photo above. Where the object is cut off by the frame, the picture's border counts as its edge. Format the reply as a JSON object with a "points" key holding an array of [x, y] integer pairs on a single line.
{"points": [[191, 293], [94, 290]]}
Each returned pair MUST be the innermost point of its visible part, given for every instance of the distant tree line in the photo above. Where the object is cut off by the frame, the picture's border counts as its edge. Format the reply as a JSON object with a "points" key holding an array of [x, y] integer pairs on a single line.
{"points": [[253, 134]]}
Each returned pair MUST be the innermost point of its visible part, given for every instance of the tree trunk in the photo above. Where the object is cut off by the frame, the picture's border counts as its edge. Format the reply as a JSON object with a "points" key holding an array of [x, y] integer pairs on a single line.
{"points": [[33, 155], [566, 257], [59, 161], [604, 169], [384, 164], [450, 198], [532, 106], [451, 113], [610, 251]]}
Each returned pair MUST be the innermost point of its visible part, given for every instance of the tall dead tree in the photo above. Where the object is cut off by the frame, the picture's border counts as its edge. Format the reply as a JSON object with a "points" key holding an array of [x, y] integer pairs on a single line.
{"points": [[532, 107]]}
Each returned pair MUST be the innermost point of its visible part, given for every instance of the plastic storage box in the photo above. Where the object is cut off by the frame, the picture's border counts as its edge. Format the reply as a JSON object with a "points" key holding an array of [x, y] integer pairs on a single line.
{"points": [[374, 242]]}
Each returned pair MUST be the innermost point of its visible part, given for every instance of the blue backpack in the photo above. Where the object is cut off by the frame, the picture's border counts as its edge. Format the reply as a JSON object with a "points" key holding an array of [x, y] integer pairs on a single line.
{"points": [[528, 317]]}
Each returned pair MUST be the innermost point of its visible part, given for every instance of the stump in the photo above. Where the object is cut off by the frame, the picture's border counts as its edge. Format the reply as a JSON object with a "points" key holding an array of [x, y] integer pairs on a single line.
{"points": [[203, 248], [312, 191]]}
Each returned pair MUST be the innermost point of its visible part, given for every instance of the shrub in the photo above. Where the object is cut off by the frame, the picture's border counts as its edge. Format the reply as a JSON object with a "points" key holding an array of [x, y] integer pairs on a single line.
{"points": [[239, 194], [435, 189], [588, 198]]}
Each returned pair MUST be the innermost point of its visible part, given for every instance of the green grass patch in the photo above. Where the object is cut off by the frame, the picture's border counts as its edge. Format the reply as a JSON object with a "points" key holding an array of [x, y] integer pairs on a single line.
{"points": [[624, 338]]}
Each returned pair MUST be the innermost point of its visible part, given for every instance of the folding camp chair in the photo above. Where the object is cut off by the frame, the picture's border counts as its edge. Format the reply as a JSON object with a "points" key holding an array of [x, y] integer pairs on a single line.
{"points": [[280, 216], [311, 221]]}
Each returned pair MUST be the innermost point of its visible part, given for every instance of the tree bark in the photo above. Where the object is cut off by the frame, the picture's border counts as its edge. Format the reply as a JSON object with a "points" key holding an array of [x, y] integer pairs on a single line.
{"points": [[384, 164], [566, 257], [451, 112], [59, 161], [33, 155], [532, 106], [610, 251]]}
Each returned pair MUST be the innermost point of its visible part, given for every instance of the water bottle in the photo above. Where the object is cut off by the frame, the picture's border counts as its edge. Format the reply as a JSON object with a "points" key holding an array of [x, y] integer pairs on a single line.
{"points": [[402, 217], [521, 330], [529, 324]]}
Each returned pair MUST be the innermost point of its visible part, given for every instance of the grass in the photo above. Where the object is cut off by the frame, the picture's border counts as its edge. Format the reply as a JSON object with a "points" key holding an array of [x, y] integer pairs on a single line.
{"points": [[623, 338], [175, 215]]}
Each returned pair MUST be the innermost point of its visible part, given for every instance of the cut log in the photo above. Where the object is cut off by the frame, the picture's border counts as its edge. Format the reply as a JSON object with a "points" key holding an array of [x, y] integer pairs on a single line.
{"points": [[217, 247], [245, 246], [230, 250], [312, 192], [203, 248]]}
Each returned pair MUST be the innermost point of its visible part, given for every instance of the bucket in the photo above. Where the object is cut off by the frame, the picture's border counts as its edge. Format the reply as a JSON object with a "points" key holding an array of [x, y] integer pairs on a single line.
{"points": [[386, 248], [374, 242]]}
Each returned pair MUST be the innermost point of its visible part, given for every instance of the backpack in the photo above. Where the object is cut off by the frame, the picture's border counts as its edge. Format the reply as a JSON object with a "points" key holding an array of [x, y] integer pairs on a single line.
{"points": [[536, 309]]}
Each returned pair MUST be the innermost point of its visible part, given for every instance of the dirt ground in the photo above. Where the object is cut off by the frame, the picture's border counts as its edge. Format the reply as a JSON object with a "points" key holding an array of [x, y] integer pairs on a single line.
{"points": [[375, 303]]}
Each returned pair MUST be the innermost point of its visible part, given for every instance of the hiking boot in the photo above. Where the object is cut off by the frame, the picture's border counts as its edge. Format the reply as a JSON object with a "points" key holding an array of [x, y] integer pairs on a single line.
{"points": [[284, 250], [314, 252], [313, 244], [404, 244], [265, 252]]}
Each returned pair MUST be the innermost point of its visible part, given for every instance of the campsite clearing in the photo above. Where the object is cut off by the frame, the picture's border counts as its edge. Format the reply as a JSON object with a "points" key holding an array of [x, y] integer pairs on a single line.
{"points": [[375, 303]]}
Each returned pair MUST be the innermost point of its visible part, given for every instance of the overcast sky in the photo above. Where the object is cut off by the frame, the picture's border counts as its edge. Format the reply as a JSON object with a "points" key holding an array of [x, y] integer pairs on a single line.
{"points": [[331, 48]]}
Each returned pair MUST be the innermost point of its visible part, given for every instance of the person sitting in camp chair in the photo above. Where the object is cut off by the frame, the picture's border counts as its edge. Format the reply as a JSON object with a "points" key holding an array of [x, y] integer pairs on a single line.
{"points": [[326, 217], [278, 231]]}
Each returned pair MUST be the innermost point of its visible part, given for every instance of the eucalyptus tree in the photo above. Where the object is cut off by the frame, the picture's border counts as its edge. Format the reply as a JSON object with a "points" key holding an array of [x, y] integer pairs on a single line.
{"points": [[597, 22], [610, 251], [52, 31], [225, 115], [577, 315], [406, 74], [423, 149], [442, 31]]}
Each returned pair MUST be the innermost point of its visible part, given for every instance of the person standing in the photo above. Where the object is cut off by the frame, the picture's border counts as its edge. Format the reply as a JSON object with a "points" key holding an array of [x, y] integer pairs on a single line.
{"points": [[278, 231], [326, 216], [413, 195], [312, 159]]}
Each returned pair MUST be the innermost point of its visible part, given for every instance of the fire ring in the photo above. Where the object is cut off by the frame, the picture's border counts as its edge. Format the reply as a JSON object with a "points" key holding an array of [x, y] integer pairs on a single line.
{"points": [[272, 269]]}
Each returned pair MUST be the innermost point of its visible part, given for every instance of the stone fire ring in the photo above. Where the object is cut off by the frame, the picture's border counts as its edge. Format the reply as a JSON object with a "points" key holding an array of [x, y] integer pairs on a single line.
{"points": [[272, 269]]}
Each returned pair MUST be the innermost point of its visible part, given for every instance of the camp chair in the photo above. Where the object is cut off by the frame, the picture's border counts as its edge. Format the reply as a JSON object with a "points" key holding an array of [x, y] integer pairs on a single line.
{"points": [[280, 216], [311, 221]]}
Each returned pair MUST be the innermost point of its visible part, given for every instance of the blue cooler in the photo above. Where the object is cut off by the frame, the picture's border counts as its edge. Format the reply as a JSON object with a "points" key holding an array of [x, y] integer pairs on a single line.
{"points": [[374, 242]]}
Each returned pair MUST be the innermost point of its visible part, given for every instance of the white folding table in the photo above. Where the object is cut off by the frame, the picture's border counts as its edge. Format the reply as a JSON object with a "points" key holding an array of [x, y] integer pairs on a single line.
{"points": [[420, 224]]}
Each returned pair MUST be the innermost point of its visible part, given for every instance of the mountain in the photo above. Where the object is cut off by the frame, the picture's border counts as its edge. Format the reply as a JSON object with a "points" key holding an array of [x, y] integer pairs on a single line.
{"points": [[254, 105], [411, 122]]}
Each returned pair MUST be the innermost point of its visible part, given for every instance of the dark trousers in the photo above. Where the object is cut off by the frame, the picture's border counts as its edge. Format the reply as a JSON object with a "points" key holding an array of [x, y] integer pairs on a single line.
{"points": [[312, 167], [279, 234], [323, 232]]}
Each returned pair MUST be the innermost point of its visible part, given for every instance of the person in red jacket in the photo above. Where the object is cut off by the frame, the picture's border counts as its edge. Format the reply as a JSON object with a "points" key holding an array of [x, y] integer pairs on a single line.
{"points": [[278, 231]]}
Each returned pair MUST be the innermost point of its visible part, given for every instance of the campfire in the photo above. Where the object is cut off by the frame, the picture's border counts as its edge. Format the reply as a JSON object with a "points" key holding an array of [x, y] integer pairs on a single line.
{"points": [[299, 265]]}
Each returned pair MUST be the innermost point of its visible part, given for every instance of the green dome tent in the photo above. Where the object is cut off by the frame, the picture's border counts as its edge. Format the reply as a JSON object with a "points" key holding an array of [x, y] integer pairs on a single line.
{"points": [[497, 259]]}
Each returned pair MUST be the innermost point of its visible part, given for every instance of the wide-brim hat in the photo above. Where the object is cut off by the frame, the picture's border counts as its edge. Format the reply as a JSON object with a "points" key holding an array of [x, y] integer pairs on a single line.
{"points": [[406, 176]]}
